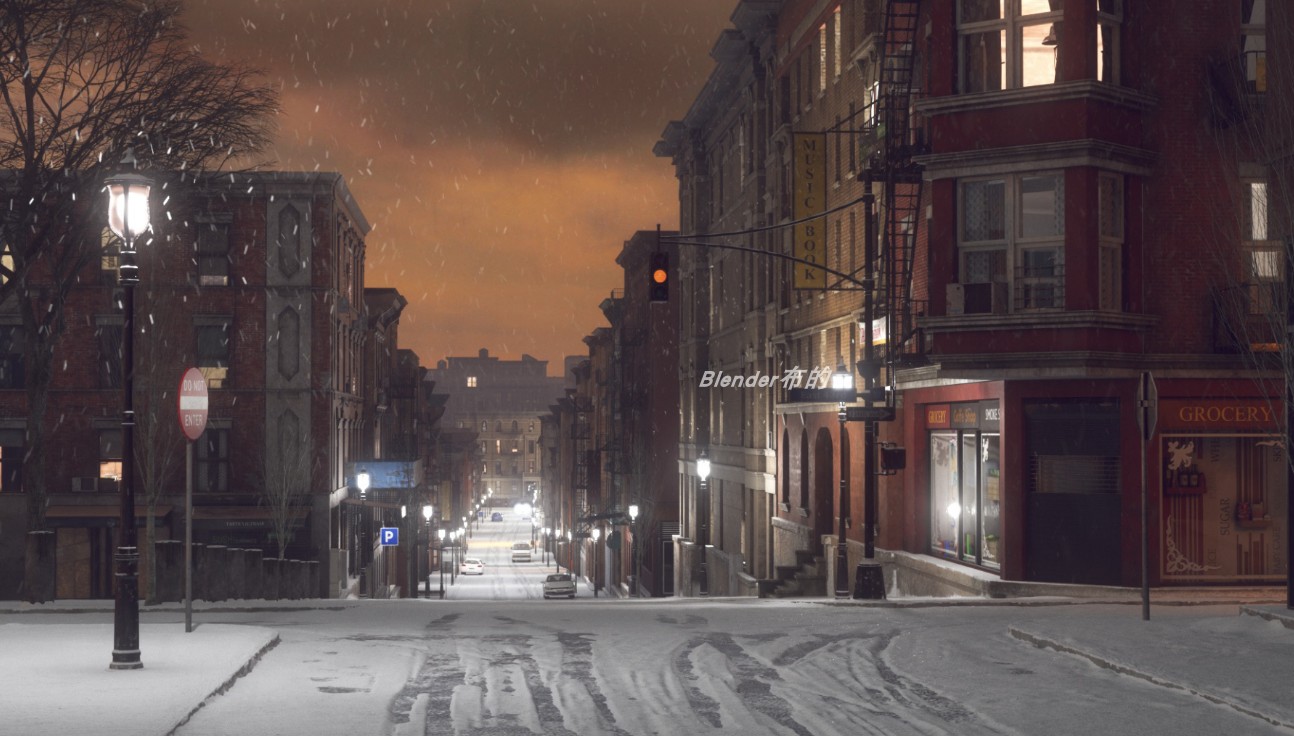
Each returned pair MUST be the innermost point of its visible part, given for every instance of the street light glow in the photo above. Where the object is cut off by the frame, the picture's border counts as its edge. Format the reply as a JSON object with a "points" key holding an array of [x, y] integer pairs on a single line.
{"points": [[427, 512], [703, 467], [633, 512]]}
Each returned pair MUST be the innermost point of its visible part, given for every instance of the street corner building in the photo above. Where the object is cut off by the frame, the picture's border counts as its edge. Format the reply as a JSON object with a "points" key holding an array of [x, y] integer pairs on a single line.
{"points": [[256, 279], [1003, 222]]}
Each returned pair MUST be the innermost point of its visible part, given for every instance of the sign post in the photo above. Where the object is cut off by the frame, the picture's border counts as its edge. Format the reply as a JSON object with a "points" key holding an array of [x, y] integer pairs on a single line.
{"points": [[193, 422], [1147, 414]]}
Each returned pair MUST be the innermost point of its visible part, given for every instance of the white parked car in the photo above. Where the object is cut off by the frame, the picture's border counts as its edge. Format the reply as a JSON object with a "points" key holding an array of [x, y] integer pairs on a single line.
{"points": [[521, 551], [471, 566], [559, 584]]}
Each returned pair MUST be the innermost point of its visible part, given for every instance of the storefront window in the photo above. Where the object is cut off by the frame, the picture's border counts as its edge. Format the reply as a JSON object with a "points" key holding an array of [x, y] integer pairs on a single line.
{"points": [[965, 483], [1224, 511]]}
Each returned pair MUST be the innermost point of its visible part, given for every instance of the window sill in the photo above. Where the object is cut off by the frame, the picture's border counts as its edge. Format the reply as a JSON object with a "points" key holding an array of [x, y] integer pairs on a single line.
{"points": [[1039, 320], [803, 512], [1046, 93]]}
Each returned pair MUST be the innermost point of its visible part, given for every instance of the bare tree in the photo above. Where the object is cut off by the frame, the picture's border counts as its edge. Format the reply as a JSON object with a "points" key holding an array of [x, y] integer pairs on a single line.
{"points": [[1253, 129], [287, 481], [81, 83]]}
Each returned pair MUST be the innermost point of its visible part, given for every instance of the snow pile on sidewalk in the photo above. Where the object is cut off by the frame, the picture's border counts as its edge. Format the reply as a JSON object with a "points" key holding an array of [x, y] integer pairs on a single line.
{"points": [[58, 674]]}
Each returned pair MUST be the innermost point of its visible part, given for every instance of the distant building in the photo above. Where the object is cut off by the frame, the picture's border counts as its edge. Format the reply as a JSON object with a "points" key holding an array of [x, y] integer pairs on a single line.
{"points": [[502, 402]]}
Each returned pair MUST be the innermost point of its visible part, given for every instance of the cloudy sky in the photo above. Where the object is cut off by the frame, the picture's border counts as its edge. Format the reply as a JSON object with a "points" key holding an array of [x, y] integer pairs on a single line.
{"points": [[501, 148]]}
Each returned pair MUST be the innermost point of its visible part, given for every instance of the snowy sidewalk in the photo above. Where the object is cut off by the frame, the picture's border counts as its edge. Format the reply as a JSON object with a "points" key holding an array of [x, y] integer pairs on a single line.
{"points": [[1241, 662], [56, 674]]}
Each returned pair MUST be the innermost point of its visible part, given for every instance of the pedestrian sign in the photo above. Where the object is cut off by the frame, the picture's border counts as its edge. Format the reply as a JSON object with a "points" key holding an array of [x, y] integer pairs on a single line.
{"points": [[390, 536]]}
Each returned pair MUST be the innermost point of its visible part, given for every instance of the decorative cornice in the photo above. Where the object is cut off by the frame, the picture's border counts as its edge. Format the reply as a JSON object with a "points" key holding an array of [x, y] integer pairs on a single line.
{"points": [[1035, 156], [1039, 321], [1042, 94]]}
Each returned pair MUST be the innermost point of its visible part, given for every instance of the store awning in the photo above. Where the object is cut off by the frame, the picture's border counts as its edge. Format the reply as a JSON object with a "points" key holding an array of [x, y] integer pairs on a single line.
{"points": [[106, 515]]}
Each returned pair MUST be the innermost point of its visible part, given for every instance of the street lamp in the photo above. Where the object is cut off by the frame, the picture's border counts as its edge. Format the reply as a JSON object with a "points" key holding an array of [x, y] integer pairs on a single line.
{"points": [[362, 480], [633, 549], [440, 561], [703, 472], [545, 532], [596, 534], [426, 515], [128, 218], [453, 557], [842, 380]]}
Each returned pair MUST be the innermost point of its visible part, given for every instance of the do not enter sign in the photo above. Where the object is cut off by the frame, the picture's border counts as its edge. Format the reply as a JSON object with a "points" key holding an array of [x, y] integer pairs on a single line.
{"points": [[193, 403]]}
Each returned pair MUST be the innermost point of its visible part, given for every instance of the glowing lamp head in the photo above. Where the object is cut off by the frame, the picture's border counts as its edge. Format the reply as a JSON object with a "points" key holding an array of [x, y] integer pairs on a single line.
{"points": [[633, 512], [426, 512], [703, 467], [128, 205]]}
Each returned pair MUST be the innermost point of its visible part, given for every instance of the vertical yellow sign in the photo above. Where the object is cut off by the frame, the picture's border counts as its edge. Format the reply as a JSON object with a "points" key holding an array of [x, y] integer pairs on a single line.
{"points": [[809, 172]]}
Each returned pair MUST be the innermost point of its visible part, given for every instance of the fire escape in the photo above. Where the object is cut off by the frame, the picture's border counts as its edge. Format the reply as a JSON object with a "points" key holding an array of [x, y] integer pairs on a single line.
{"points": [[900, 179]]}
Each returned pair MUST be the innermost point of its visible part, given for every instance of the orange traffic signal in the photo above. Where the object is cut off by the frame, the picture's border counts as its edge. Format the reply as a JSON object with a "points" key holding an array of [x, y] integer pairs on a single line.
{"points": [[658, 288]]}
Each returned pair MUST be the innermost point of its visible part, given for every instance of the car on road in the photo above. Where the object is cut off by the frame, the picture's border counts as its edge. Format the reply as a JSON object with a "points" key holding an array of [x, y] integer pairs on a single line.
{"points": [[496, 516], [559, 584], [521, 551], [471, 566]]}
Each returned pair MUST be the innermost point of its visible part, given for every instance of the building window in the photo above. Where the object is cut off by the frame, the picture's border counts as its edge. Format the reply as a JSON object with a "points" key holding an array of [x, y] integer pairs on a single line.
{"points": [[109, 334], [498, 468], [1004, 44], [471, 381], [213, 352], [530, 467], [213, 254], [1013, 232], [498, 447], [211, 461], [110, 253], [485, 426], [530, 447], [109, 459], [1110, 266], [836, 46], [822, 58], [1109, 17], [12, 365], [1265, 257], [1253, 43]]}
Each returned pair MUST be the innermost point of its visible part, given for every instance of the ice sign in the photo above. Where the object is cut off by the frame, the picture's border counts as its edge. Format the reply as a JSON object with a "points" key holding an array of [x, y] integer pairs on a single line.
{"points": [[390, 536]]}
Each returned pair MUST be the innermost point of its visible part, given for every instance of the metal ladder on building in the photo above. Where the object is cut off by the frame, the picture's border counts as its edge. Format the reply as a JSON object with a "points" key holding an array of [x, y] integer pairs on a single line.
{"points": [[900, 177]]}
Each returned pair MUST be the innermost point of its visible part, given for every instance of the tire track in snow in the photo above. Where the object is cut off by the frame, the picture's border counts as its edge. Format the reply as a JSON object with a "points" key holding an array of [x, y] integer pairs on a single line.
{"points": [[435, 680], [705, 707], [577, 664], [754, 683]]}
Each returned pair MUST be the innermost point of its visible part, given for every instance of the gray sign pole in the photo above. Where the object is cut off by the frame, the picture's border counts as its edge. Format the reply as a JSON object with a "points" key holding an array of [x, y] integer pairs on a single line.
{"points": [[188, 537], [1147, 413]]}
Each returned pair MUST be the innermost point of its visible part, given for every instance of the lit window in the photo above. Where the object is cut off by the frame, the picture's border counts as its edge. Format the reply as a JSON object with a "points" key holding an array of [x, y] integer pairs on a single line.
{"points": [[471, 381], [835, 26], [822, 58], [1109, 16], [1004, 44], [1265, 256]]}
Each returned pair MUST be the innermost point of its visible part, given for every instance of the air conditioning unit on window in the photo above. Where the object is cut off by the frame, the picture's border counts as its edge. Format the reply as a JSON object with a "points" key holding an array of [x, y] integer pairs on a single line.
{"points": [[87, 484], [990, 298]]}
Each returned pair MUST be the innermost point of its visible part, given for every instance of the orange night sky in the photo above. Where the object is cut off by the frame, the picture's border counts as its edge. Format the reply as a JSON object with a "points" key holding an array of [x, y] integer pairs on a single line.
{"points": [[500, 148]]}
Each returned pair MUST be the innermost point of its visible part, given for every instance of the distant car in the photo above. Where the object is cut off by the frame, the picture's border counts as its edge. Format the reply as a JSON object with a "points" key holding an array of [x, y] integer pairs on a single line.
{"points": [[521, 551], [471, 566], [558, 585], [496, 516]]}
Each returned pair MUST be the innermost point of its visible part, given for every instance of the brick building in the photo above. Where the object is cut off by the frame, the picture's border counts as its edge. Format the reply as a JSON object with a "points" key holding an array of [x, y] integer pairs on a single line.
{"points": [[1058, 208], [256, 279]]}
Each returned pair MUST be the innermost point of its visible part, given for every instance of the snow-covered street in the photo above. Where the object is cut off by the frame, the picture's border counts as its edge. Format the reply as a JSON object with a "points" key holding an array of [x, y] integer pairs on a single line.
{"points": [[494, 658], [687, 667]]}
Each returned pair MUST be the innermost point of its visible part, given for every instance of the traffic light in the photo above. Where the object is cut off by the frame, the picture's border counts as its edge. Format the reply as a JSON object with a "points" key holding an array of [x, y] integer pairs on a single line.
{"points": [[658, 278]]}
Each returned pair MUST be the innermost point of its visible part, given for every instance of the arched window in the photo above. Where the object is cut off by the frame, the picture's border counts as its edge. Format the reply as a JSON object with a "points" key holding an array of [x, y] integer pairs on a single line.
{"points": [[804, 468], [786, 469], [515, 427]]}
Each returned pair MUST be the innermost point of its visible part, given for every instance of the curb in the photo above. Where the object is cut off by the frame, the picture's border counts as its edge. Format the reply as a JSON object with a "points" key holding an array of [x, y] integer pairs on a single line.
{"points": [[227, 684], [1043, 642], [1285, 619]]}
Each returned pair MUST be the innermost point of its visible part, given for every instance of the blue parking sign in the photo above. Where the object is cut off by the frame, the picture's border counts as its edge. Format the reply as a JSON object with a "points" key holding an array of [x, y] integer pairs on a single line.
{"points": [[390, 536]]}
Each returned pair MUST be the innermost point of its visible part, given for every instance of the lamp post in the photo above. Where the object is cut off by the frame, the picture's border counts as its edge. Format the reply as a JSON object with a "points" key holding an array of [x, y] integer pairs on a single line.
{"points": [[633, 550], [426, 557], [128, 218], [453, 557], [570, 553], [362, 479], [467, 527], [440, 561], [703, 472], [546, 531], [596, 534], [841, 380], [534, 528]]}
